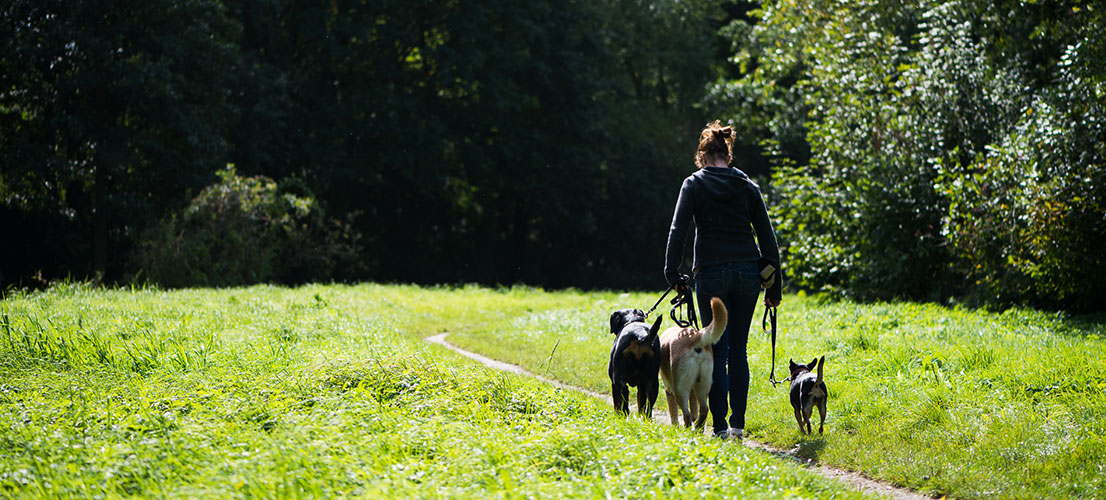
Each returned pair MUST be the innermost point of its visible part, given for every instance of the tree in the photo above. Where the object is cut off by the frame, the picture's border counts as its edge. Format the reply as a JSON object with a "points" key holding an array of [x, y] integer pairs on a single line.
{"points": [[109, 114], [953, 145]]}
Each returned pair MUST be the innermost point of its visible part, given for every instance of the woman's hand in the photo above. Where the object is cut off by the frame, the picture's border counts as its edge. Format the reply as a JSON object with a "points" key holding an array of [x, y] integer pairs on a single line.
{"points": [[771, 303]]}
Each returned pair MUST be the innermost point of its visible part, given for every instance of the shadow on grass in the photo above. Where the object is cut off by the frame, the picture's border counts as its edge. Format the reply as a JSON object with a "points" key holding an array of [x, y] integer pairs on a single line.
{"points": [[1086, 325], [810, 450]]}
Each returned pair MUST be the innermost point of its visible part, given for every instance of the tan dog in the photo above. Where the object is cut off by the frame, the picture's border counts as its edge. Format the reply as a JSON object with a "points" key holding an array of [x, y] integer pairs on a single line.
{"points": [[687, 366]]}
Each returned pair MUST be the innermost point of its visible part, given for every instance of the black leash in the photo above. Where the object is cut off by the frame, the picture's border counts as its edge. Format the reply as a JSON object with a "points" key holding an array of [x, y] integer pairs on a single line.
{"points": [[666, 292], [681, 299], [770, 312], [685, 300]]}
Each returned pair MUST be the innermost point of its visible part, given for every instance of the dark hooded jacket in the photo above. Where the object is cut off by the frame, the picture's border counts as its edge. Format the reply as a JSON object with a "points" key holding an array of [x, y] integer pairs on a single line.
{"points": [[730, 220]]}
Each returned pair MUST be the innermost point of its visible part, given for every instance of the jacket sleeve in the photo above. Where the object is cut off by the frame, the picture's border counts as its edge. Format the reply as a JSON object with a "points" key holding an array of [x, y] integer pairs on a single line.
{"points": [[766, 240], [677, 233]]}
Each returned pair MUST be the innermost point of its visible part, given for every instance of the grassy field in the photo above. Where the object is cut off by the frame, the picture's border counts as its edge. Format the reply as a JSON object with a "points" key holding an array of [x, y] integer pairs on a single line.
{"points": [[954, 401], [328, 391]]}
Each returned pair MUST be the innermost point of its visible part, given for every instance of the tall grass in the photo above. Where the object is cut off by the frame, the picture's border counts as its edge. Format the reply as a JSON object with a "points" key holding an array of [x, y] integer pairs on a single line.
{"points": [[946, 400], [320, 391]]}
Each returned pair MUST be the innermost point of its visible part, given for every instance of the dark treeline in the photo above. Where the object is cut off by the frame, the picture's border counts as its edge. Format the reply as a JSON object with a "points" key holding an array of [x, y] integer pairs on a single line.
{"points": [[486, 141], [910, 149]]}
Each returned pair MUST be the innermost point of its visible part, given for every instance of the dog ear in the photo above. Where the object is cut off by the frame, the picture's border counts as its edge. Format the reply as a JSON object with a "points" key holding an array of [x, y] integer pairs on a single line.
{"points": [[618, 320], [656, 326], [812, 365], [793, 365]]}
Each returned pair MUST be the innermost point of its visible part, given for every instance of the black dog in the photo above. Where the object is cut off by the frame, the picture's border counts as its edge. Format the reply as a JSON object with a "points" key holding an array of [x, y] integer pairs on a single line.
{"points": [[635, 360], [808, 391]]}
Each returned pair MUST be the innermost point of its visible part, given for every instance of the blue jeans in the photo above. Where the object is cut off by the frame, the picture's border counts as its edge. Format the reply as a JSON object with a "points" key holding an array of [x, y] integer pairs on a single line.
{"points": [[738, 285]]}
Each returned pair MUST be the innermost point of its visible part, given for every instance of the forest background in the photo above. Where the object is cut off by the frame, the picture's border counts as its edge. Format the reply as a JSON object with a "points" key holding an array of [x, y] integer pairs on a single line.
{"points": [[922, 150]]}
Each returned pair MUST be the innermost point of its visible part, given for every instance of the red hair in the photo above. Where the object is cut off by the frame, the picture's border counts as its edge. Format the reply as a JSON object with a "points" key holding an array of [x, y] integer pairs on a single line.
{"points": [[714, 140]]}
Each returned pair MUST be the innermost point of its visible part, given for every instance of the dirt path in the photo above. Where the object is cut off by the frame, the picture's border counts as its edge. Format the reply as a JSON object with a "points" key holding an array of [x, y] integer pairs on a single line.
{"points": [[851, 479]]}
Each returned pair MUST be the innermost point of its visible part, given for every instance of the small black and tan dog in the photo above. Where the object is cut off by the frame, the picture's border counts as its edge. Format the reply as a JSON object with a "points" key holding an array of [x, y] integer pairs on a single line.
{"points": [[807, 391], [635, 360]]}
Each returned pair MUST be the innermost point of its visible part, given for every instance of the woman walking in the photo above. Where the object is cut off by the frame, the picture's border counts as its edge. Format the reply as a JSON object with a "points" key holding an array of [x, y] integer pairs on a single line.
{"points": [[732, 233]]}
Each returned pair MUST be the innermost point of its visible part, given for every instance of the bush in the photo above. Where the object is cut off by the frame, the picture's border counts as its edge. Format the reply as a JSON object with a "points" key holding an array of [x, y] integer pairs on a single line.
{"points": [[955, 146], [245, 230], [1026, 219]]}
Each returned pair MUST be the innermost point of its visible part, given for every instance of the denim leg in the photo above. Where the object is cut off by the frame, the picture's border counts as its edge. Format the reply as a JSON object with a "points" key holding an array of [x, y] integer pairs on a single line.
{"points": [[741, 315], [707, 287], [720, 383], [739, 287]]}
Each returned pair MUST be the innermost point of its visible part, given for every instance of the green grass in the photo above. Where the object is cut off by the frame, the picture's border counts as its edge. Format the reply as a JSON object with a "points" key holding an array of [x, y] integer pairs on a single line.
{"points": [[945, 400], [329, 391]]}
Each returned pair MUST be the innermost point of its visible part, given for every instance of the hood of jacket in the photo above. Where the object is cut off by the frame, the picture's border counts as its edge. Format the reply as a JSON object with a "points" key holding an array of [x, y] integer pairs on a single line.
{"points": [[722, 183]]}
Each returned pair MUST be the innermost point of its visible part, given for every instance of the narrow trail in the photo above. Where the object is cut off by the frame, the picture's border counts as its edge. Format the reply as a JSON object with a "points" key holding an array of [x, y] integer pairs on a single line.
{"points": [[850, 479]]}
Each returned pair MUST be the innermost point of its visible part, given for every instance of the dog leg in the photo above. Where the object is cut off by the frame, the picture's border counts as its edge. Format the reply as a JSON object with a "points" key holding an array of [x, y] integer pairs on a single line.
{"points": [[799, 419], [821, 415], [685, 408], [642, 401], [702, 411], [621, 398], [808, 410], [693, 404], [652, 399], [672, 407]]}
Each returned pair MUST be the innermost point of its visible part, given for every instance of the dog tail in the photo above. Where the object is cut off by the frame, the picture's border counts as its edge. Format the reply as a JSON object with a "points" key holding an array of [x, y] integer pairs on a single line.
{"points": [[821, 364], [713, 331]]}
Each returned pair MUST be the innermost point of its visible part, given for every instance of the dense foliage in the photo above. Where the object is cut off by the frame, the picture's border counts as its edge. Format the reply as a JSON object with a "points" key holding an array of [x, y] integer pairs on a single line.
{"points": [[933, 148], [477, 140], [246, 230], [921, 149]]}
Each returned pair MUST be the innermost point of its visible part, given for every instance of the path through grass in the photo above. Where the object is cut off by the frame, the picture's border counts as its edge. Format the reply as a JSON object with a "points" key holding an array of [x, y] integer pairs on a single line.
{"points": [[325, 391], [943, 400]]}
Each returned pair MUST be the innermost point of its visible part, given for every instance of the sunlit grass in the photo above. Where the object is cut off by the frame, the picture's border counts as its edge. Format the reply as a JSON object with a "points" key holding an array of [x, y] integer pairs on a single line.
{"points": [[945, 400], [327, 391]]}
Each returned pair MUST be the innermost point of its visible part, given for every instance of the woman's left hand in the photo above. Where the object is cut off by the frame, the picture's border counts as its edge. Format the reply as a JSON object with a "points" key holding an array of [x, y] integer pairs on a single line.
{"points": [[771, 303]]}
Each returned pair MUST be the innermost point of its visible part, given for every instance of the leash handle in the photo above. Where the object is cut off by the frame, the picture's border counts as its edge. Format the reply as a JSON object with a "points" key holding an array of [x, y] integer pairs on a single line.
{"points": [[684, 299], [770, 314], [678, 301]]}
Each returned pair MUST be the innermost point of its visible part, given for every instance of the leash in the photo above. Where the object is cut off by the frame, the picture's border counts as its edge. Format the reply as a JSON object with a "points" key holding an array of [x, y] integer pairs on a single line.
{"points": [[770, 313], [666, 292], [680, 300]]}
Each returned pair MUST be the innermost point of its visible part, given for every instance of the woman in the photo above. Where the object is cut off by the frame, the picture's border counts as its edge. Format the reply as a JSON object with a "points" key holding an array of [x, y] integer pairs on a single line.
{"points": [[732, 233]]}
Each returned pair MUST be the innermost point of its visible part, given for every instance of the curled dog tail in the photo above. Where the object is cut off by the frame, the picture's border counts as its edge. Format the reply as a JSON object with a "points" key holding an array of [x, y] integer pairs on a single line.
{"points": [[821, 364], [713, 331]]}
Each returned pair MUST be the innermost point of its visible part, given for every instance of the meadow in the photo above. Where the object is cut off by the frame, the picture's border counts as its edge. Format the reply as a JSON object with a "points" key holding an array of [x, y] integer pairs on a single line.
{"points": [[319, 392], [943, 400], [324, 391]]}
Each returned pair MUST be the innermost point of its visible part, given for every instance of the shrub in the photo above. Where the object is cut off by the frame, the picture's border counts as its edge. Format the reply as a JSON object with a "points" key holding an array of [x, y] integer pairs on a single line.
{"points": [[955, 146], [1026, 219], [244, 230]]}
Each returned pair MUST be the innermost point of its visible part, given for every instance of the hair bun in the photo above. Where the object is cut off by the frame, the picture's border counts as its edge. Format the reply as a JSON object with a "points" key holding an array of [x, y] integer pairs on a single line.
{"points": [[715, 142]]}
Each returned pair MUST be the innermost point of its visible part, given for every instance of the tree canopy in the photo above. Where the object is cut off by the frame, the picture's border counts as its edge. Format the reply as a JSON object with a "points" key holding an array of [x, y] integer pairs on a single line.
{"points": [[912, 149]]}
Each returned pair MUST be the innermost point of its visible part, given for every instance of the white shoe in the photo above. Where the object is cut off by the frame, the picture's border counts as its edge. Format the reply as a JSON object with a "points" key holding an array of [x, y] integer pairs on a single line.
{"points": [[730, 433]]}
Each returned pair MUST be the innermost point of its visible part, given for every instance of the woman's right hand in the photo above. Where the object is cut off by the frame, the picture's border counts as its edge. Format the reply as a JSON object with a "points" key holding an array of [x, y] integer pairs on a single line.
{"points": [[772, 302]]}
